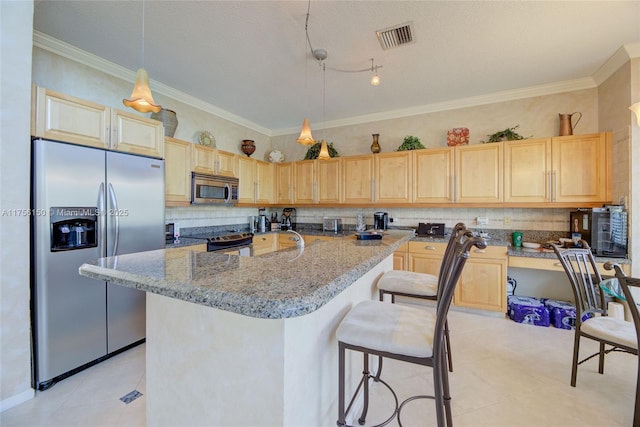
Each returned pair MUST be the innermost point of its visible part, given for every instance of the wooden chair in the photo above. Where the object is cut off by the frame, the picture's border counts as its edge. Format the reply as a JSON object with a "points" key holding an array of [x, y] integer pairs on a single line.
{"points": [[372, 328], [422, 285], [633, 339], [592, 321]]}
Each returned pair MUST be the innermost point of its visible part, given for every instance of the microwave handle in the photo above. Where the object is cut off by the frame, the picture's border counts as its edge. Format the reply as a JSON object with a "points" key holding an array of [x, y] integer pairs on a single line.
{"points": [[227, 193]]}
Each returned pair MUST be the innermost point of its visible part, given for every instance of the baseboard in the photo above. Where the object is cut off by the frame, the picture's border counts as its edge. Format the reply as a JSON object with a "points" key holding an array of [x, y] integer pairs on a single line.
{"points": [[17, 399]]}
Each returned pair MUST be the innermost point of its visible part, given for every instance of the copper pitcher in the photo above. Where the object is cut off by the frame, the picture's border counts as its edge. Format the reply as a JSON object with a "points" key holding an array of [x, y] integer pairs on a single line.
{"points": [[566, 128]]}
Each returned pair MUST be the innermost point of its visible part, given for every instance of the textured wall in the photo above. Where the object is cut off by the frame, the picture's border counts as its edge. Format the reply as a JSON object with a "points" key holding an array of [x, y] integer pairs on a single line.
{"points": [[15, 351]]}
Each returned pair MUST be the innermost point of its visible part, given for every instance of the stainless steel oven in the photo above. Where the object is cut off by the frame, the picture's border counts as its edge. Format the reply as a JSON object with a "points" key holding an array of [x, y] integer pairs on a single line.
{"points": [[213, 189]]}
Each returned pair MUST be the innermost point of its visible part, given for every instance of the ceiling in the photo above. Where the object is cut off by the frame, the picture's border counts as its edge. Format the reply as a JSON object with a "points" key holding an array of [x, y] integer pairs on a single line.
{"points": [[250, 58]]}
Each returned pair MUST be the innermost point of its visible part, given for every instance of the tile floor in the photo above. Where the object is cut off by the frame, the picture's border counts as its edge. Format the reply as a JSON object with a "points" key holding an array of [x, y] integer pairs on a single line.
{"points": [[505, 374]]}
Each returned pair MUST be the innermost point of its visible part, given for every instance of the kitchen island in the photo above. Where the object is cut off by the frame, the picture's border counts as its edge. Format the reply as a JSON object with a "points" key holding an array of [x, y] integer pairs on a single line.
{"points": [[248, 341]]}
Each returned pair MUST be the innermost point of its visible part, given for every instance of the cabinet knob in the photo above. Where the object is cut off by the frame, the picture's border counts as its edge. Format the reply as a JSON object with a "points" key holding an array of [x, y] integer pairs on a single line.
{"points": [[430, 248]]}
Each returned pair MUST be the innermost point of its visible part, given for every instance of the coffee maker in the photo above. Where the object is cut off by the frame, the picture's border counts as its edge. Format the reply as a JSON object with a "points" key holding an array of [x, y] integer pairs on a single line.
{"points": [[288, 219], [380, 220]]}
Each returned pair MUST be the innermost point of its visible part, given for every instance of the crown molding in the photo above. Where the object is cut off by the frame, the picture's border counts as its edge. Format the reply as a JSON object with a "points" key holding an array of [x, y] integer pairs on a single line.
{"points": [[617, 60], [58, 47], [473, 101]]}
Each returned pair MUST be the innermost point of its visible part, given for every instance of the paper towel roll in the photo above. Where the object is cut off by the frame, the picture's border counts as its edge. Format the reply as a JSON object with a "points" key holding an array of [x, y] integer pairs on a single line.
{"points": [[615, 310]]}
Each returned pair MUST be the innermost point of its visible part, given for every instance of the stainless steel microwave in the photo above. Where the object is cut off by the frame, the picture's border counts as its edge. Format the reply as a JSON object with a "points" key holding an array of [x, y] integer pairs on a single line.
{"points": [[213, 189]]}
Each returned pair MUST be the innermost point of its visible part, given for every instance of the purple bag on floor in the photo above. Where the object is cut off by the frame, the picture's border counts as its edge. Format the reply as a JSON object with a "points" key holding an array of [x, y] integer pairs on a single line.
{"points": [[562, 314], [528, 310]]}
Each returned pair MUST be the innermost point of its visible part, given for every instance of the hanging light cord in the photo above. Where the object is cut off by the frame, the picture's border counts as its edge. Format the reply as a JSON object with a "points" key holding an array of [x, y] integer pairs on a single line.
{"points": [[373, 68], [142, 40]]}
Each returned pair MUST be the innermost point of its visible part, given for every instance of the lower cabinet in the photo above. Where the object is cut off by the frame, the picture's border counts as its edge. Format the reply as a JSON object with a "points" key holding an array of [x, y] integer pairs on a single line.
{"points": [[401, 258], [265, 243], [483, 281]]}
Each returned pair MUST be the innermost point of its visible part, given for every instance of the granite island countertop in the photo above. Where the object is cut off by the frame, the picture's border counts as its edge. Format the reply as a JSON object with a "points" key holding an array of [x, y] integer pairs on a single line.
{"points": [[282, 284]]}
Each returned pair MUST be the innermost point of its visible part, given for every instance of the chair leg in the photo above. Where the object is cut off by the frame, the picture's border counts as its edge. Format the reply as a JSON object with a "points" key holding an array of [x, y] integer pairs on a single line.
{"points": [[365, 374], [601, 359], [447, 342], [341, 410], [446, 393], [438, 390], [574, 364], [636, 408]]}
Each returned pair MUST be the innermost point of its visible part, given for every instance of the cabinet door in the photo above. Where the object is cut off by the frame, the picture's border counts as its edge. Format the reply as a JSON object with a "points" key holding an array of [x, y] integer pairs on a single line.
{"points": [[527, 167], [357, 174], [580, 168], [304, 181], [226, 163], [177, 172], [482, 285], [392, 172], [65, 118], [203, 159], [328, 180], [426, 257], [264, 182], [401, 258], [478, 173], [433, 175], [132, 133], [247, 180], [284, 185], [264, 243]]}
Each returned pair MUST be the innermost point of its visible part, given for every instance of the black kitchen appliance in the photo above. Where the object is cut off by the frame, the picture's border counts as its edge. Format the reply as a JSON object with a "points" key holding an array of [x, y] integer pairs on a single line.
{"points": [[169, 232], [227, 241], [380, 220], [288, 219], [430, 229], [604, 229]]}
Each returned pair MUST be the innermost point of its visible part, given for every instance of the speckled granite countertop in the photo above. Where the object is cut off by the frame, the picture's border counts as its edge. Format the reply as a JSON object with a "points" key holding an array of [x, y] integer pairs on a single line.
{"points": [[282, 284]]}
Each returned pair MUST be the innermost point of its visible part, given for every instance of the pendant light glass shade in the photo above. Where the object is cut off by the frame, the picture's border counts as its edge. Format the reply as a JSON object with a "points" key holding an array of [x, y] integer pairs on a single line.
{"points": [[636, 109], [305, 137], [141, 98], [324, 151]]}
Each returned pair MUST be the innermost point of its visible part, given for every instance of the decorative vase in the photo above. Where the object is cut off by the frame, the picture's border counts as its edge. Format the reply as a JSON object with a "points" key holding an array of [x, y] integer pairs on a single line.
{"points": [[168, 119], [248, 147], [457, 136], [375, 147]]}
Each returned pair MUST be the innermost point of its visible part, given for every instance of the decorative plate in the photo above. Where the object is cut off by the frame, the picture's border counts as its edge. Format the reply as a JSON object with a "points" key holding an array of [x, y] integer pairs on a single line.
{"points": [[207, 139], [276, 156]]}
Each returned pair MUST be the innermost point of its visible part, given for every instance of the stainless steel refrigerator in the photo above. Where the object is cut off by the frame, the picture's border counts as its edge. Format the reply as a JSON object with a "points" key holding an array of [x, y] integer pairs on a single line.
{"points": [[88, 203]]}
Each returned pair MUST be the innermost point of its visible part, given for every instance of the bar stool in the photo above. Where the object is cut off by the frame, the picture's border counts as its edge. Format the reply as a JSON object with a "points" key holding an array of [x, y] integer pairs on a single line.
{"points": [[414, 335], [422, 285]]}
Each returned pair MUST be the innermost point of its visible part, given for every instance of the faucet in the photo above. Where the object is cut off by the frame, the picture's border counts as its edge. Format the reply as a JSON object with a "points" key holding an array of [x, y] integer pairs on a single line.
{"points": [[299, 240], [432, 228]]}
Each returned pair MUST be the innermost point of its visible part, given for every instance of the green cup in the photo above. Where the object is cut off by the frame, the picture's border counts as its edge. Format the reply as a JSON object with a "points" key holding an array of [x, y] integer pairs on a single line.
{"points": [[517, 238]]}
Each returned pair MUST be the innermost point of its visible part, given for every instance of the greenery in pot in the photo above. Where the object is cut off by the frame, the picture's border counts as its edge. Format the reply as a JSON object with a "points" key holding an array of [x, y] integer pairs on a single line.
{"points": [[410, 143], [314, 150], [508, 134]]}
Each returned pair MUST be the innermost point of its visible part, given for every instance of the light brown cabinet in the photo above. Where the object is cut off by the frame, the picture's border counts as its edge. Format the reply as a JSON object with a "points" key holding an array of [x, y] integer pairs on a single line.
{"points": [[562, 171], [66, 118], [212, 161], [304, 178], [328, 179], [177, 172], [401, 257], [433, 175], [392, 177], [426, 257], [483, 281], [478, 173], [284, 183], [357, 173], [256, 181], [265, 243]]}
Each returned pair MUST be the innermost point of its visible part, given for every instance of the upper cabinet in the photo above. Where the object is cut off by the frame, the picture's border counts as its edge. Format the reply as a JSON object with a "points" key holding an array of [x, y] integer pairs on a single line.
{"points": [[478, 177], [392, 177], [562, 171], [328, 179], [177, 172], [357, 183], [212, 161], [65, 118], [256, 181], [581, 168], [433, 175], [284, 183], [305, 183]]}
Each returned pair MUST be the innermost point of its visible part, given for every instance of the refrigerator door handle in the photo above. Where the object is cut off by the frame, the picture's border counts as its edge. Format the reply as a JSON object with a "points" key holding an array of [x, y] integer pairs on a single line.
{"points": [[102, 225], [114, 212]]}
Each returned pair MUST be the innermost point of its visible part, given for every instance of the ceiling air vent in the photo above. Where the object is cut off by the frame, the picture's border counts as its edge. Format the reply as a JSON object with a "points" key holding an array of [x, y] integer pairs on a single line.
{"points": [[395, 36]]}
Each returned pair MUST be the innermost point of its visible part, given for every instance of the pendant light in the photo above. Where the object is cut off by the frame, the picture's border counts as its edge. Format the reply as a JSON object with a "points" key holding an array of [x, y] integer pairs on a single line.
{"points": [[305, 137], [375, 79], [141, 99], [324, 150], [636, 109]]}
